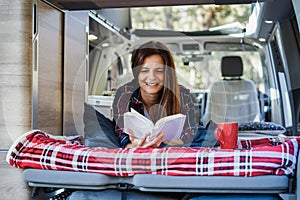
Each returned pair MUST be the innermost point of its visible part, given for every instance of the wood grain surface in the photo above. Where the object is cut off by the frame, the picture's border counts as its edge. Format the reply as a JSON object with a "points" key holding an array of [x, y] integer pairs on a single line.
{"points": [[50, 69], [15, 69]]}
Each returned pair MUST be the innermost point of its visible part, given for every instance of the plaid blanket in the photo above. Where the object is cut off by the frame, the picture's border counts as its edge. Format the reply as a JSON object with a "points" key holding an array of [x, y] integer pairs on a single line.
{"points": [[37, 149]]}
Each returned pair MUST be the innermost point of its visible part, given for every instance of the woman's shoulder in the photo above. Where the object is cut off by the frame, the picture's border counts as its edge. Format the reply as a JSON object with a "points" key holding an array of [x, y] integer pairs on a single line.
{"points": [[127, 87], [124, 93], [185, 93], [183, 89]]}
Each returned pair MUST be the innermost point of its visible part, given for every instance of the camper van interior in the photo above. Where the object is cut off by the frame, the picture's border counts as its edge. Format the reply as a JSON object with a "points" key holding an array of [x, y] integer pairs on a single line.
{"points": [[60, 55]]}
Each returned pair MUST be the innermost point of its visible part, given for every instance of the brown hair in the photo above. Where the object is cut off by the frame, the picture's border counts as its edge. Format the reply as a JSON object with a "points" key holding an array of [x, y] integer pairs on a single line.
{"points": [[170, 98]]}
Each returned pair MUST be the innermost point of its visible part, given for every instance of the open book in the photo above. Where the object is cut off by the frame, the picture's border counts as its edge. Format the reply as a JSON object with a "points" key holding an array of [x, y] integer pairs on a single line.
{"points": [[171, 125]]}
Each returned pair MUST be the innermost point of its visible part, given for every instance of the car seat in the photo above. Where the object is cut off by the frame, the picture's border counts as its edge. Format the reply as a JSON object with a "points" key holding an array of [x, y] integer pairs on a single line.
{"points": [[233, 98]]}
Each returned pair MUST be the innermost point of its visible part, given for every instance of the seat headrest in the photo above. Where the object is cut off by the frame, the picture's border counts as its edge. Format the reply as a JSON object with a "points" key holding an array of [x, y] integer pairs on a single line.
{"points": [[232, 66]]}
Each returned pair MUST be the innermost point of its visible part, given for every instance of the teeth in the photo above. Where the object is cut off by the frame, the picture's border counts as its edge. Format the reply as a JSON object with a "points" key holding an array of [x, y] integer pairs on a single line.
{"points": [[151, 84]]}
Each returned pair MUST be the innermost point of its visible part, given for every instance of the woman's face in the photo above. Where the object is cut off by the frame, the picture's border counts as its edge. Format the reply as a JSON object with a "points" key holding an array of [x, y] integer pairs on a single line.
{"points": [[151, 76]]}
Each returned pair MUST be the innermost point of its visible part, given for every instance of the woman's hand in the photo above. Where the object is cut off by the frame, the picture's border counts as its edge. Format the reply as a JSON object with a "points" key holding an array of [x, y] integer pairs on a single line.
{"points": [[156, 141], [142, 143]]}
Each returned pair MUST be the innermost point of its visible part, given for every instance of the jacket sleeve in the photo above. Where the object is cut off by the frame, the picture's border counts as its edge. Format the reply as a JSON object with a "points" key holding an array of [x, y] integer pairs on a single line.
{"points": [[188, 109], [120, 106]]}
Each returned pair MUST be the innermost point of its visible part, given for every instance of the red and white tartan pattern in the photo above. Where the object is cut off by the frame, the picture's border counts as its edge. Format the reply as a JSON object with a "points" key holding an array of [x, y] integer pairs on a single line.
{"points": [[40, 150]]}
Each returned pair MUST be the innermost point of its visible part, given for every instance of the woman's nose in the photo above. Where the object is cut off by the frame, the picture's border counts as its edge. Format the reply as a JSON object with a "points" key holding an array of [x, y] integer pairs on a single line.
{"points": [[151, 74]]}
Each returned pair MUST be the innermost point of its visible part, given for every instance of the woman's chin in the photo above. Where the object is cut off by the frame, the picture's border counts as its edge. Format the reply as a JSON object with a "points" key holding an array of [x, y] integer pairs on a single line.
{"points": [[152, 89]]}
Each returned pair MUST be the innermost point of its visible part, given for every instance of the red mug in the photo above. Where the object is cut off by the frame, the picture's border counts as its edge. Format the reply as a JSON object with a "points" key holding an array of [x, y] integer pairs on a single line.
{"points": [[227, 135]]}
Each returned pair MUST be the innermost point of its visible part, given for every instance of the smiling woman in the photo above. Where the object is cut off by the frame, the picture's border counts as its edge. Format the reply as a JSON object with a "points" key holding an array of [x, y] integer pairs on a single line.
{"points": [[154, 92], [50, 71]]}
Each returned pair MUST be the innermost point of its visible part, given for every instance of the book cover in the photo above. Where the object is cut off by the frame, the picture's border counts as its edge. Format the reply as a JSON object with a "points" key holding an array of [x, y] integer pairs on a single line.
{"points": [[171, 125]]}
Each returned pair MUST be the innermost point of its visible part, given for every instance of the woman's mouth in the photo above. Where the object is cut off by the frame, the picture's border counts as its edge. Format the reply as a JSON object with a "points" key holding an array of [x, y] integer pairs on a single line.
{"points": [[151, 84]]}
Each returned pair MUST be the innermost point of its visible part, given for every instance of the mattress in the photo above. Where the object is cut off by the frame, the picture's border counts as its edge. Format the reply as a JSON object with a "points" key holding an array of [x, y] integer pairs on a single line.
{"points": [[39, 150]]}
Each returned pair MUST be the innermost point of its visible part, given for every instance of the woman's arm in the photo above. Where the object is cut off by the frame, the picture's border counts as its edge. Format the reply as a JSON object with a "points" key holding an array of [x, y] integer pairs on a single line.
{"points": [[120, 106], [188, 109]]}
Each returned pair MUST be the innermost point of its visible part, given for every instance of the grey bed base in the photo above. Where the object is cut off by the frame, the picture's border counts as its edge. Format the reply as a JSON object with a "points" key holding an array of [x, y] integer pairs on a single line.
{"points": [[268, 184], [283, 186]]}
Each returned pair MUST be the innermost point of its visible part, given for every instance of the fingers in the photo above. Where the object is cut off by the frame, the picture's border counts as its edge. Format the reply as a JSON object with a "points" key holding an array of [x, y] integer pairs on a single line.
{"points": [[143, 143], [156, 141], [130, 133], [133, 141], [160, 137], [137, 142]]}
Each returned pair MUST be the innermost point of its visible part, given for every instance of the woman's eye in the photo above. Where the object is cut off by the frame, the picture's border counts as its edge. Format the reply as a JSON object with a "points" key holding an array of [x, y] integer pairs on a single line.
{"points": [[144, 70], [160, 70]]}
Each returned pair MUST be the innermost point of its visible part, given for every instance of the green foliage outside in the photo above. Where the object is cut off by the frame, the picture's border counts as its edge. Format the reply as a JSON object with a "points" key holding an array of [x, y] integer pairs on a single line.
{"points": [[188, 18]]}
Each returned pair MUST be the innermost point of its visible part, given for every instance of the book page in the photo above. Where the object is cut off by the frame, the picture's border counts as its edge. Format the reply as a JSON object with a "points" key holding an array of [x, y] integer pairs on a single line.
{"points": [[172, 125], [138, 123]]}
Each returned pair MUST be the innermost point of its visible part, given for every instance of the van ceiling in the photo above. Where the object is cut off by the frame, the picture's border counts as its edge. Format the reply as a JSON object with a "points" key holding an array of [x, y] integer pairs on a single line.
{"points": [[96, 4]]}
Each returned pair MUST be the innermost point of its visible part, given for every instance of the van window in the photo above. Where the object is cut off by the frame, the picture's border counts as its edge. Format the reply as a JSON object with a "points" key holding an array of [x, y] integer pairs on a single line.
{"points": [[188, 18], [201, 66], [207, 70]]}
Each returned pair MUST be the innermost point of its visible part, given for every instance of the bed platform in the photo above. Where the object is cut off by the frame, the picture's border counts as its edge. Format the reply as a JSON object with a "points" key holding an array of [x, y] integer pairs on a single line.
{"points": [[264, 168], [158, 183]]}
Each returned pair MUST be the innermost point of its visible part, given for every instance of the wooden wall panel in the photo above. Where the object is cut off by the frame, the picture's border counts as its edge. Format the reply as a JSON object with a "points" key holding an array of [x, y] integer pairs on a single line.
{"points": [[16, 78], [76, 23], [15, 89], [15, 70], [50, 69]]}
